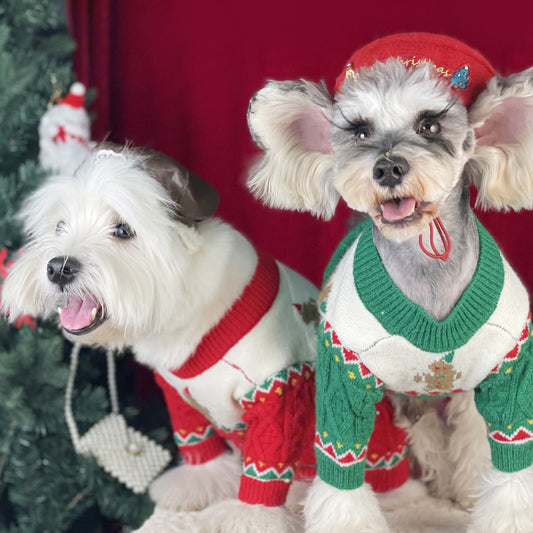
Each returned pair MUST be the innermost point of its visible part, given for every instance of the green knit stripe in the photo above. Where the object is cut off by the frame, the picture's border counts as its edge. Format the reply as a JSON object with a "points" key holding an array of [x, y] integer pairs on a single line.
{"points": [[188, 438], [419, 396], [346, 393], [505, 401], [240, 426], [509, 458], [283, 380], [272, 473], [343, 246], [347, 478], [399, 316]]}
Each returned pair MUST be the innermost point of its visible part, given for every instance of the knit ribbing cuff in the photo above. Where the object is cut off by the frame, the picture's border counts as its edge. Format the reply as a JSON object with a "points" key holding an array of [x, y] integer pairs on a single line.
{"points": [[385, 479], [341, 477], [271, 493], [203, 451], [509, 457]]}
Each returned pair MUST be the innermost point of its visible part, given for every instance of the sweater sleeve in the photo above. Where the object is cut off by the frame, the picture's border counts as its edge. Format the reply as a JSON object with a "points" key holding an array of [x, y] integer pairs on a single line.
{"points": [[505, 401], [345, 409], [279, 415], [195, 436]]}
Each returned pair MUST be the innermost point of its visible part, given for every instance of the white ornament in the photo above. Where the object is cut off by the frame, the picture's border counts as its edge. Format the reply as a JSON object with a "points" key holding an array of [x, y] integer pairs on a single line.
{"points": [[65, 133]]}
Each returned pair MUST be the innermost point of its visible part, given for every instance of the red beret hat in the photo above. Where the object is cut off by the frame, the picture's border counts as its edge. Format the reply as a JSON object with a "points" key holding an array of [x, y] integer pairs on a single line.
{"points": [[467, 70]]}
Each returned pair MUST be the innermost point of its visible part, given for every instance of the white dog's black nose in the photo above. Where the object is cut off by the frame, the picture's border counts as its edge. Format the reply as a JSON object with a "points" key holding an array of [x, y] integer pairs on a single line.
{"points": [[62, 270], [390, 171]]}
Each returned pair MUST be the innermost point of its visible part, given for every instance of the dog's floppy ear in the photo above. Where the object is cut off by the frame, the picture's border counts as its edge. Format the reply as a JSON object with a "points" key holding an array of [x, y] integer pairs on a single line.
{"points": [[195, 199], [502, 165], [290, 121]]}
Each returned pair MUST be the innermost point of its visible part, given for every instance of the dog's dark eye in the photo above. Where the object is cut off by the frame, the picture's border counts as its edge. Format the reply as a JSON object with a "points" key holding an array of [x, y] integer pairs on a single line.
{"points": [[60, 228], [361, 132], [429, 128], [123, 231]]}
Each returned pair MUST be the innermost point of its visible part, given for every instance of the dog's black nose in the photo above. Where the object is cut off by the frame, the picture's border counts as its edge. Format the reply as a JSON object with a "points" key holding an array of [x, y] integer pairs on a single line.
{"points": [[62, 270], [390, 171]]}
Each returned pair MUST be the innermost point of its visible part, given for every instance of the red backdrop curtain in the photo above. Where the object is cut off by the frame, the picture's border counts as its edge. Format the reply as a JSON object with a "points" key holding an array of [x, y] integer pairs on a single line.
{"points": [[177, 76]]}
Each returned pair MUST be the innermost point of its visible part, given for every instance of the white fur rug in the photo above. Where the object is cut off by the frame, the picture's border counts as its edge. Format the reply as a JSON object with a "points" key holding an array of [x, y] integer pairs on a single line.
{"points": [[421, 514]]}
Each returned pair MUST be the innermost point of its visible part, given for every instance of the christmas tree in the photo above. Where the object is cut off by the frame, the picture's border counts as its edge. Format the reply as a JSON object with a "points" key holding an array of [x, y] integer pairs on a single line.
{"points": [[461, 78], [44, 485]]}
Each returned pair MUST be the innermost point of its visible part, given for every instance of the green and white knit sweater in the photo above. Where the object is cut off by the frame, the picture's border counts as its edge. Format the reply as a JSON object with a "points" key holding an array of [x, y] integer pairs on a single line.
{"points": [[373, 339]]}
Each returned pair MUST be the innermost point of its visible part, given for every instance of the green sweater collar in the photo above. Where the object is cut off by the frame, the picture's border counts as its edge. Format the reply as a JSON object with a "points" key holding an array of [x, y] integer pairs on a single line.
{"points": [[399, 316]]}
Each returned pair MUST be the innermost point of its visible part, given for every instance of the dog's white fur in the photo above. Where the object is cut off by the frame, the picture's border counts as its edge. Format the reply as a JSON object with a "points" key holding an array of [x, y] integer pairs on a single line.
{"points": [[330, 509], [492, 145], [503, 181], [504, 136], [136, 293], [281, 132], [504, 502], [195, 487], [161, 292], [234, 516], [450, 449]]}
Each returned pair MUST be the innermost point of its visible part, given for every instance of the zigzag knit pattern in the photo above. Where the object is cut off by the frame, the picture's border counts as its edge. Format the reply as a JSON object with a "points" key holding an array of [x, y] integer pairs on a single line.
{"points": [[280, 406], [505, 400], [356, 439], [194, 434], [414, 354]]}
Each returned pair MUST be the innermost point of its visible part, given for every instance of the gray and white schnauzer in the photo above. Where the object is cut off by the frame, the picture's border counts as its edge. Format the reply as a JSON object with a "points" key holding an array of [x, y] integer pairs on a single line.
{"points": [[128, 250], [418, 303]]}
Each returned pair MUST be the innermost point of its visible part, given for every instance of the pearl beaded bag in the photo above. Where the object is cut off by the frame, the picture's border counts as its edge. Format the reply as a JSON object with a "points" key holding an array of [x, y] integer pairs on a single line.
{"points": [[127, 455]]}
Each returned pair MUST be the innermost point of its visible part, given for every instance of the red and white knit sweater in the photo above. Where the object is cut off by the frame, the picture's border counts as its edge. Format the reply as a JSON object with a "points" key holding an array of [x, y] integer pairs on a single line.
{"points": [[250, 382]]}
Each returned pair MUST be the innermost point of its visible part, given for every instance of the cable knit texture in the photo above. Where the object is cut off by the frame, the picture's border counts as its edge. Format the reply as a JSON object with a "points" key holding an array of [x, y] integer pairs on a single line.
{"points": [[505, 400], [484, 345], [226, 392]]}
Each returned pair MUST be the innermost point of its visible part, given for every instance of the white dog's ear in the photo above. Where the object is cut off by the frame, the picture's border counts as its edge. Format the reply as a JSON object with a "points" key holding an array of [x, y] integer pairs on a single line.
{"points": [[291, 122], [502, 118]]}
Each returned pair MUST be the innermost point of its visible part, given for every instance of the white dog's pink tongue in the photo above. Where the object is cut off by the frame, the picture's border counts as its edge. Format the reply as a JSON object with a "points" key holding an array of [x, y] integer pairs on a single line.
{"points": [[398, 209], [78, 313]]}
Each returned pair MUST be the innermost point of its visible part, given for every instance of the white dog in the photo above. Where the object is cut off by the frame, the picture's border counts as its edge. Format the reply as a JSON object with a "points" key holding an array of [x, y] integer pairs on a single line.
{"points": [[418, 302], [129, 252]]}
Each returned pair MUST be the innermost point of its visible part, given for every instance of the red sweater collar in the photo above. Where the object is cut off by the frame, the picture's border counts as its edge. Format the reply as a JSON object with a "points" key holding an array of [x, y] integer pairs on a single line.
{"points": [[255, 300]]}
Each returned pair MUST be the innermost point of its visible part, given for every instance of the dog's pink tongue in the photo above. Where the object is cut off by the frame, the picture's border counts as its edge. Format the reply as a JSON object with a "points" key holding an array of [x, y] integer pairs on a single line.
{"points": [[78, 313], [397, 209]]}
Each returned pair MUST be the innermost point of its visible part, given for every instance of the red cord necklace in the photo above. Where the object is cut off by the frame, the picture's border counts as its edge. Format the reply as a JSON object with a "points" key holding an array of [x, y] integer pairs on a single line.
{"points": [[445, 238]]}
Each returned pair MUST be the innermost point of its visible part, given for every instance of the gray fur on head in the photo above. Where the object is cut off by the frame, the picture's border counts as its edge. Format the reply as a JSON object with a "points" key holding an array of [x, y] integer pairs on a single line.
{"points": [[296, 124], [398, 145]]}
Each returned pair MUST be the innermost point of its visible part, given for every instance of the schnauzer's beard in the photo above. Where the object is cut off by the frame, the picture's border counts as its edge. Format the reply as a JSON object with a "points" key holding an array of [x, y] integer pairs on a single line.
{"points": [[390, 101], [429, 184]]}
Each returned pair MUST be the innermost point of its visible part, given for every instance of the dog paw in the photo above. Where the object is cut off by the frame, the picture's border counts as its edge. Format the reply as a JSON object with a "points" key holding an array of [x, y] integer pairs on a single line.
{"points": [[234, 516], [329, 509], [505, 503], [195, 487]]}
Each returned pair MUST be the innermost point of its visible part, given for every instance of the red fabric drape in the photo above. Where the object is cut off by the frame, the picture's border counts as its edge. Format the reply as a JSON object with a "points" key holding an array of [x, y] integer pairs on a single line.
{"points": [[178, 75]]}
